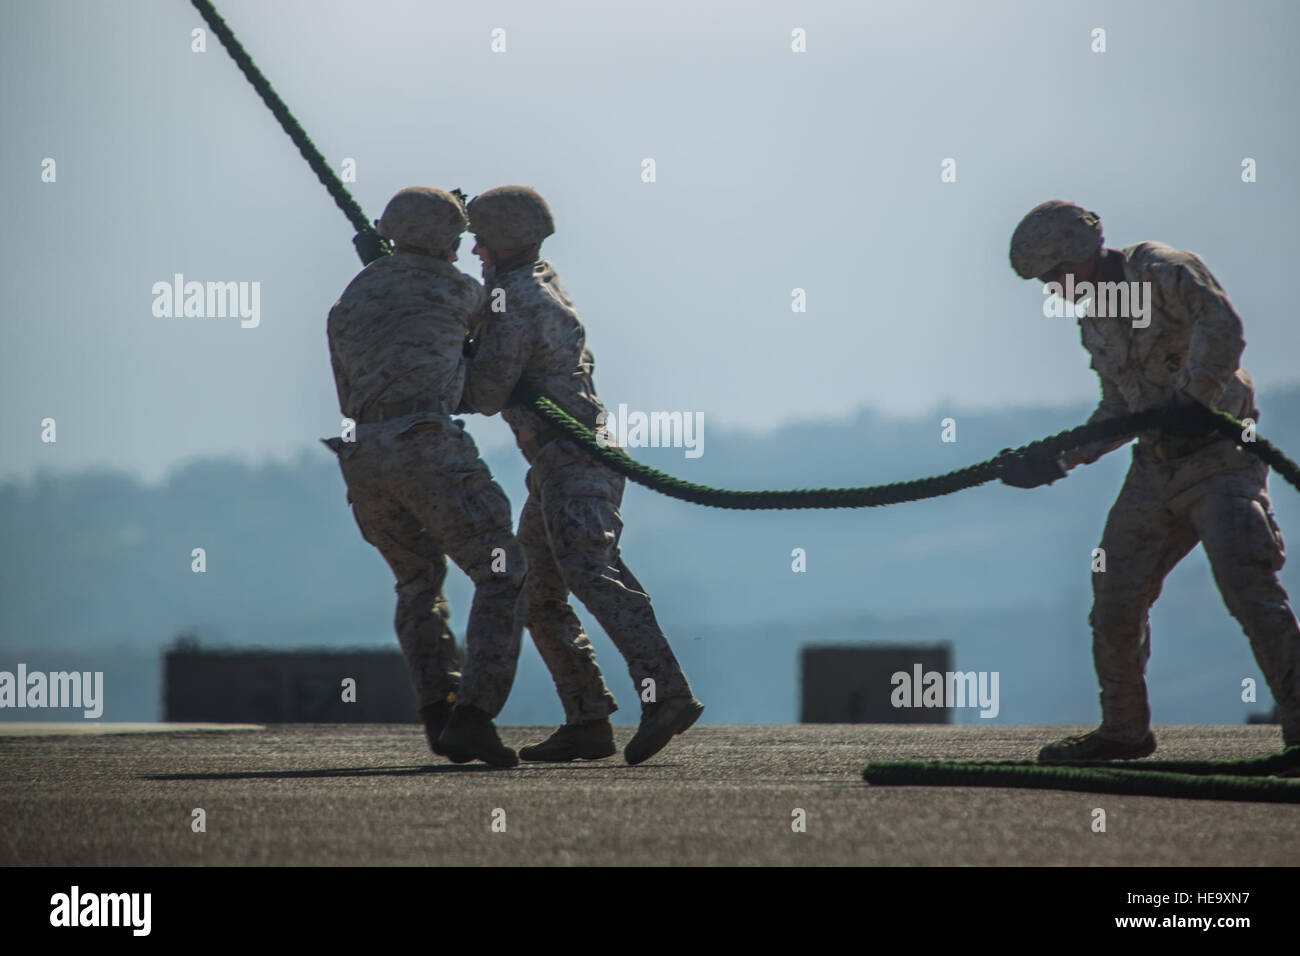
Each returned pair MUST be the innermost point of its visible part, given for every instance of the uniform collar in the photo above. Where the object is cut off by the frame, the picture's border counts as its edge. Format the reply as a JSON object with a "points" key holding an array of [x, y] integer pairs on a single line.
{"points": [[428, 263], [540, 268]]}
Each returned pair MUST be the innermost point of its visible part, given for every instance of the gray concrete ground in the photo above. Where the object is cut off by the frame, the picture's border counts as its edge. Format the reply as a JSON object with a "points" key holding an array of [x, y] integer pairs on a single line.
{"points": [[360, 794]]}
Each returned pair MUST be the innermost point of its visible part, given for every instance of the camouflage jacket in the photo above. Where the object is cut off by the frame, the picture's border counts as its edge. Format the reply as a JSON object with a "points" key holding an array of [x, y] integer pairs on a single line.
{"points": [[1192, 344], [397, 333], [535, 339]]}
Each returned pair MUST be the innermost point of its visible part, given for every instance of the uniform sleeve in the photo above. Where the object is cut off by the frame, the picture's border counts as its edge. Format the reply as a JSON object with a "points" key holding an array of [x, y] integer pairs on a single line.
{"points": [[1112, 405], [1214, 351], [501, 353], [341, 383]]}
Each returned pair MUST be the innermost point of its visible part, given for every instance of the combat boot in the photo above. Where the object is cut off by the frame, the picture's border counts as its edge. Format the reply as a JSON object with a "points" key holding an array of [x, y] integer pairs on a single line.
{"points": [[659, 722], [589, 740], [1093, 746], [435, 717], [470, 735]]}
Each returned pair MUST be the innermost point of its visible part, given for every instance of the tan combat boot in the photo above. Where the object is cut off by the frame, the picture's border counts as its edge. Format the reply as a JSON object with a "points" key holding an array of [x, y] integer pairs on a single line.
{"points": [[1093, 746], [660, 721], [470, 735], [435, 717], [589, 740]]}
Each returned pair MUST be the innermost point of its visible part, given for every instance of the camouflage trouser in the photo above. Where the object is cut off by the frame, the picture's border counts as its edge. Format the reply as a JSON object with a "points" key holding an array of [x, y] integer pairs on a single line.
{"points": [[419, 491], [1218, 496], [570, 529]]}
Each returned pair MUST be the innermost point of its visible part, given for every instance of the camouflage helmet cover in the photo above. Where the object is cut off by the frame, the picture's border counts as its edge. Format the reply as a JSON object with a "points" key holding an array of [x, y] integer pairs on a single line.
{"points": [[423, 216], [1052, 233], [509, 217]]}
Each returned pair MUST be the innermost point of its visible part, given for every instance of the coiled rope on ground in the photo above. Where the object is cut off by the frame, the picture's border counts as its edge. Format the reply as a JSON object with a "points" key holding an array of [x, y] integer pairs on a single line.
{"points": [[1257, 780]]}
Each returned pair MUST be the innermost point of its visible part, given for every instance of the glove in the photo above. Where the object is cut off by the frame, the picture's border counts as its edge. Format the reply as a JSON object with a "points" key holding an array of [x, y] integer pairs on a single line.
{"points": [[1187, 418], [1030, 471], [369, 246]]}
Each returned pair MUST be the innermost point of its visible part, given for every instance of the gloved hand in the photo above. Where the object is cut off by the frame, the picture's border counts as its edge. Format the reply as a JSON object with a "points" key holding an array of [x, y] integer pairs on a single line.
{"points": [[1030, 471], [1187, 418], [369, 246]]}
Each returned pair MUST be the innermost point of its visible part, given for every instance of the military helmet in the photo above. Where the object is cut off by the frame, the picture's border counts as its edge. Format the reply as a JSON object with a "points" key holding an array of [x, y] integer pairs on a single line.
{"points": [[423, 216], [1052, 233], [509, 217]]}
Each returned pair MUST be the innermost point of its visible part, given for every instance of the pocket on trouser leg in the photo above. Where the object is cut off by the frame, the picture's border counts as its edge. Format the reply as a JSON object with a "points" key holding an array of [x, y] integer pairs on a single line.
{"points": [[1259, 535], [486, 550], [584, 529], [485, 505], [1277, 536]]}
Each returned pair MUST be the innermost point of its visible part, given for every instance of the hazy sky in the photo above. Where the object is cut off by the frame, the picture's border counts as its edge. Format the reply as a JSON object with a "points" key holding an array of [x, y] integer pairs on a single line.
{"points": [[775, 170]]}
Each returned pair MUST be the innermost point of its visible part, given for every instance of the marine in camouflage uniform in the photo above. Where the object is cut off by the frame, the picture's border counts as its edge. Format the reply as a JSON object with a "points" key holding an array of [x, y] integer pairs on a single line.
{"points": [[570, 527], [417, 486], [1181, 488]]}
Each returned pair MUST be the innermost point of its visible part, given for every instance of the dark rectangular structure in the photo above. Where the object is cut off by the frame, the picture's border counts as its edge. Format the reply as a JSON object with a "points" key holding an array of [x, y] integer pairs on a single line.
{"points": [[852, 684], [286, 687]]}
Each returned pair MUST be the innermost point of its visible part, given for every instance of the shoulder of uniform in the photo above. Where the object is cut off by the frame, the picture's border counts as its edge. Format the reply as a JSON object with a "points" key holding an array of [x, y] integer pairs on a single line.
{"points": [[462, 281], [520, 278], [552, 289], [1147, 250], [376, 273], [521, 286], [1157, 255]]}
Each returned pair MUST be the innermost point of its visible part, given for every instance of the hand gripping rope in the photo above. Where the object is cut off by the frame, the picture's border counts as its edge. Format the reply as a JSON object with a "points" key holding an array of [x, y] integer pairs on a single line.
{"points": [[1214, 780]]}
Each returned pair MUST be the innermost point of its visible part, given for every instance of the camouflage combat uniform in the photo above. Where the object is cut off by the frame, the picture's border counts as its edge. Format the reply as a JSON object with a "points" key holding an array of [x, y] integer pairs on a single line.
{"points": [[1181, 491], [417, 486], [570, 526]]}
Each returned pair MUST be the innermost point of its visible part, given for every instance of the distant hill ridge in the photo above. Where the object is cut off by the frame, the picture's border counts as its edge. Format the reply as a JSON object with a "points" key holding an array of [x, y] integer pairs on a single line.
{"points": [[98, 565]]}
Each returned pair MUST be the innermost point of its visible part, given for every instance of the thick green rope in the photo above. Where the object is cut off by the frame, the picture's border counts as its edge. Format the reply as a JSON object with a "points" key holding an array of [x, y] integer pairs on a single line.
{"points": [[1199, 780], [342, 198], [1267, 765], [863, 497], [872, 496], [1245, 780]]}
